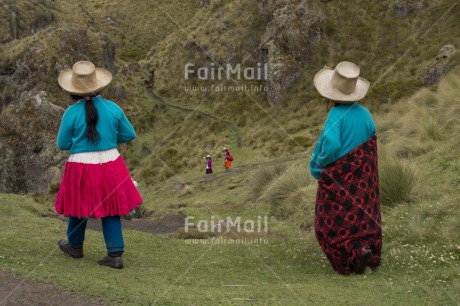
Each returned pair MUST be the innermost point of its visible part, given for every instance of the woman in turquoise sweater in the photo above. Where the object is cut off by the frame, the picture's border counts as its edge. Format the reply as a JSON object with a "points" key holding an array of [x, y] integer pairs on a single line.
{"points": [[347, 214], [96, 182]]}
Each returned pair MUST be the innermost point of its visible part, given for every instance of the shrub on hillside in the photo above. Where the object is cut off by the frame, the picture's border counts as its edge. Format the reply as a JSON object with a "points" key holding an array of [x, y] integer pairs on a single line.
{"points": [[262, 177], [298, 207], [397, 180], [186, 191], [295, 177]]}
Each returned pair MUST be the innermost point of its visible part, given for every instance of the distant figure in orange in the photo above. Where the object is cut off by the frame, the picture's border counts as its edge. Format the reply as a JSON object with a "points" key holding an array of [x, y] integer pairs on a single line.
{"points": [[228, 158]]}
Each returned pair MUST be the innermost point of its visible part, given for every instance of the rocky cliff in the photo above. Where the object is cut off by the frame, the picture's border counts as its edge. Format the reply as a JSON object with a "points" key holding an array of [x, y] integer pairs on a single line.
{"points": [[147, 45], [33, 53]]}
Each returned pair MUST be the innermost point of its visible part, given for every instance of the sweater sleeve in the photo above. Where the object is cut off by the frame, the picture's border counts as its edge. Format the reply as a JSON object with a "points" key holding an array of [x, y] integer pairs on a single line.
{"points": [[125, 130], [328, 145], [331, 142], [316, 169], [64, 138]]}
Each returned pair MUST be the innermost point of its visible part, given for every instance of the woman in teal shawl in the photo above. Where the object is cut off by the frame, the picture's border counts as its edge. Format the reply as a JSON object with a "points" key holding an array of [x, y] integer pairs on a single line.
{"points": [[347, 214]]}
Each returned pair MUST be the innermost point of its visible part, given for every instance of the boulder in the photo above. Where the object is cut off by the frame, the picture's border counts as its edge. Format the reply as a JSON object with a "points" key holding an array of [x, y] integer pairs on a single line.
{"points": [[290, 36], [404, 8], [436, 71], [32, 104], [283, 71], [23, 18], [30, 160], [445, 52]]}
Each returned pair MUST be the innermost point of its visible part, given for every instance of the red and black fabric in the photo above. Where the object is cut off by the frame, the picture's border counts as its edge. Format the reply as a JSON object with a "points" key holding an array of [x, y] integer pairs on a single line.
{"points": [[347, 214]]}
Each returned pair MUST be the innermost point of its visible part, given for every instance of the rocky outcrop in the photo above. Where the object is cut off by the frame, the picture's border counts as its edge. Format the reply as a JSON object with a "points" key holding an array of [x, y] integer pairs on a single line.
{"points": [[434, 73], [445, 52], [20, 19], [74, 44], [36, 65], [32, 103], [404, 8], [30, 161], [283, 71], [290, 36]]}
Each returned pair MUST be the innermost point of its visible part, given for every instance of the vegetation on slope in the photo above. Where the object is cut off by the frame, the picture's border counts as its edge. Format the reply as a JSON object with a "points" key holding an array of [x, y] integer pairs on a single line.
{"points": [[153, 48], [421, 254]]}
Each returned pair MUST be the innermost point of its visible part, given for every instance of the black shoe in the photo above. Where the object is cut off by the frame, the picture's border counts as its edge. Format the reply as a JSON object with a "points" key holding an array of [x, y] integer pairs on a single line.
{"points": [[65, 247], [112, 262], [361, 263]]}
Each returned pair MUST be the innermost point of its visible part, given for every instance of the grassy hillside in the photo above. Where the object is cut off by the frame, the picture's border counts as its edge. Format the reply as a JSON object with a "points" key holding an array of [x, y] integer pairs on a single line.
{"points": [[391, 51], [421, 250], [148, 44]]}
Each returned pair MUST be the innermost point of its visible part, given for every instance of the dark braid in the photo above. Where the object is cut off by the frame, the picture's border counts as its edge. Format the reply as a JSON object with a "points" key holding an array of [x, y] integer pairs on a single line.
{"points": [[91, 119]]}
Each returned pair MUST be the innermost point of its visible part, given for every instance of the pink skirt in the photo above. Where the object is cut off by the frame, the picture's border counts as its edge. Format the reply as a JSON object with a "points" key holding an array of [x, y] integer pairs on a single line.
{"points": [[96, 185]]}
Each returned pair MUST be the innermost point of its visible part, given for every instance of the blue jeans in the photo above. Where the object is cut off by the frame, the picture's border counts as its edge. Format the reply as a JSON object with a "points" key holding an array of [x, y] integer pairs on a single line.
{"points": [[111, 228]]}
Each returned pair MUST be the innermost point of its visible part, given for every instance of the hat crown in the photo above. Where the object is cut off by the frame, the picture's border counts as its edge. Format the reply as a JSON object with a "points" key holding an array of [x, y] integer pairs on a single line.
{"points": [[84, 79], [345, 77], [84, 75], [83, 68], [342, 84]]}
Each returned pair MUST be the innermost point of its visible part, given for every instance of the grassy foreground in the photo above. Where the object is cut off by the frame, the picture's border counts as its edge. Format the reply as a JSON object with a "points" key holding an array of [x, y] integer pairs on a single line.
{"points": [[289, 269], [419, 143]]}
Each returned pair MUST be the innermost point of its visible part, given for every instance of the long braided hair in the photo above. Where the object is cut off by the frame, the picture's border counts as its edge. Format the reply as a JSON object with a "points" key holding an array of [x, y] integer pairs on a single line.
{"points": [[91, 117]]}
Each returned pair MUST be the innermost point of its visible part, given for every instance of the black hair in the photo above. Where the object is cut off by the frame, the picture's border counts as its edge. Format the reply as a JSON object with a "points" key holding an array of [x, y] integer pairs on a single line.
{"points": [[91, 118]]}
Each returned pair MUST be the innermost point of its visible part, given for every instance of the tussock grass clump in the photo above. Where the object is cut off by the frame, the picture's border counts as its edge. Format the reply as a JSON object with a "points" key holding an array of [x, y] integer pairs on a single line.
{"points": [[186, 191], [262, 177], [280, 192], [397, 180], [422, 120], [288, 189], [298, 207]]}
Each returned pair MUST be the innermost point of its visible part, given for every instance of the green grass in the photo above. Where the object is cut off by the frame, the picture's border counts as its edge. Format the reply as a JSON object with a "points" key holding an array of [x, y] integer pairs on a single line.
{"points": [[229, 31], [420, 259], [397, 180], [290, 270], [421, 254]]}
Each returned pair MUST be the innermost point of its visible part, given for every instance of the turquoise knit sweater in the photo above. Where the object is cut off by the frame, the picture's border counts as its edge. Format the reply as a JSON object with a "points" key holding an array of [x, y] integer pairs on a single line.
{"points": [[112, 125], [347, 126]]}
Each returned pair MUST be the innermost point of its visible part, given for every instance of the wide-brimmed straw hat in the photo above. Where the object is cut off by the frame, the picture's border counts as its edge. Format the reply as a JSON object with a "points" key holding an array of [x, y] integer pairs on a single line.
{"points": [[84, 79], [208, 156], [224, 149], [342, 84]]}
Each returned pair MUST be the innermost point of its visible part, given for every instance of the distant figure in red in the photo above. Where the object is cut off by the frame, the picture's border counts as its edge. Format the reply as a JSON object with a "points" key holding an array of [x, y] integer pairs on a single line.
{"points": [[228, 158], [208, 164], [347, 216]]}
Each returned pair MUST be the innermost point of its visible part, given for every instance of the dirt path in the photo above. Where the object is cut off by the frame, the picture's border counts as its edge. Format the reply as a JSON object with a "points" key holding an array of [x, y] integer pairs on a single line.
{"points": [[168, 225], [15, 291]]}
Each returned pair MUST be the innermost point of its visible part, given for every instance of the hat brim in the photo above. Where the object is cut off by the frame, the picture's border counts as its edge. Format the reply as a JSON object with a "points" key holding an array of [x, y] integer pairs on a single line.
{"points": [[322, 82], [103, 79]]}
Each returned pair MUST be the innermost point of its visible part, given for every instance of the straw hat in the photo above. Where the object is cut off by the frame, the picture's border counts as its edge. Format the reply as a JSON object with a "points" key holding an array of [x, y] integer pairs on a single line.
{"points": [[224, 149], [341, 84], [208, 156], [84, 79]]}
